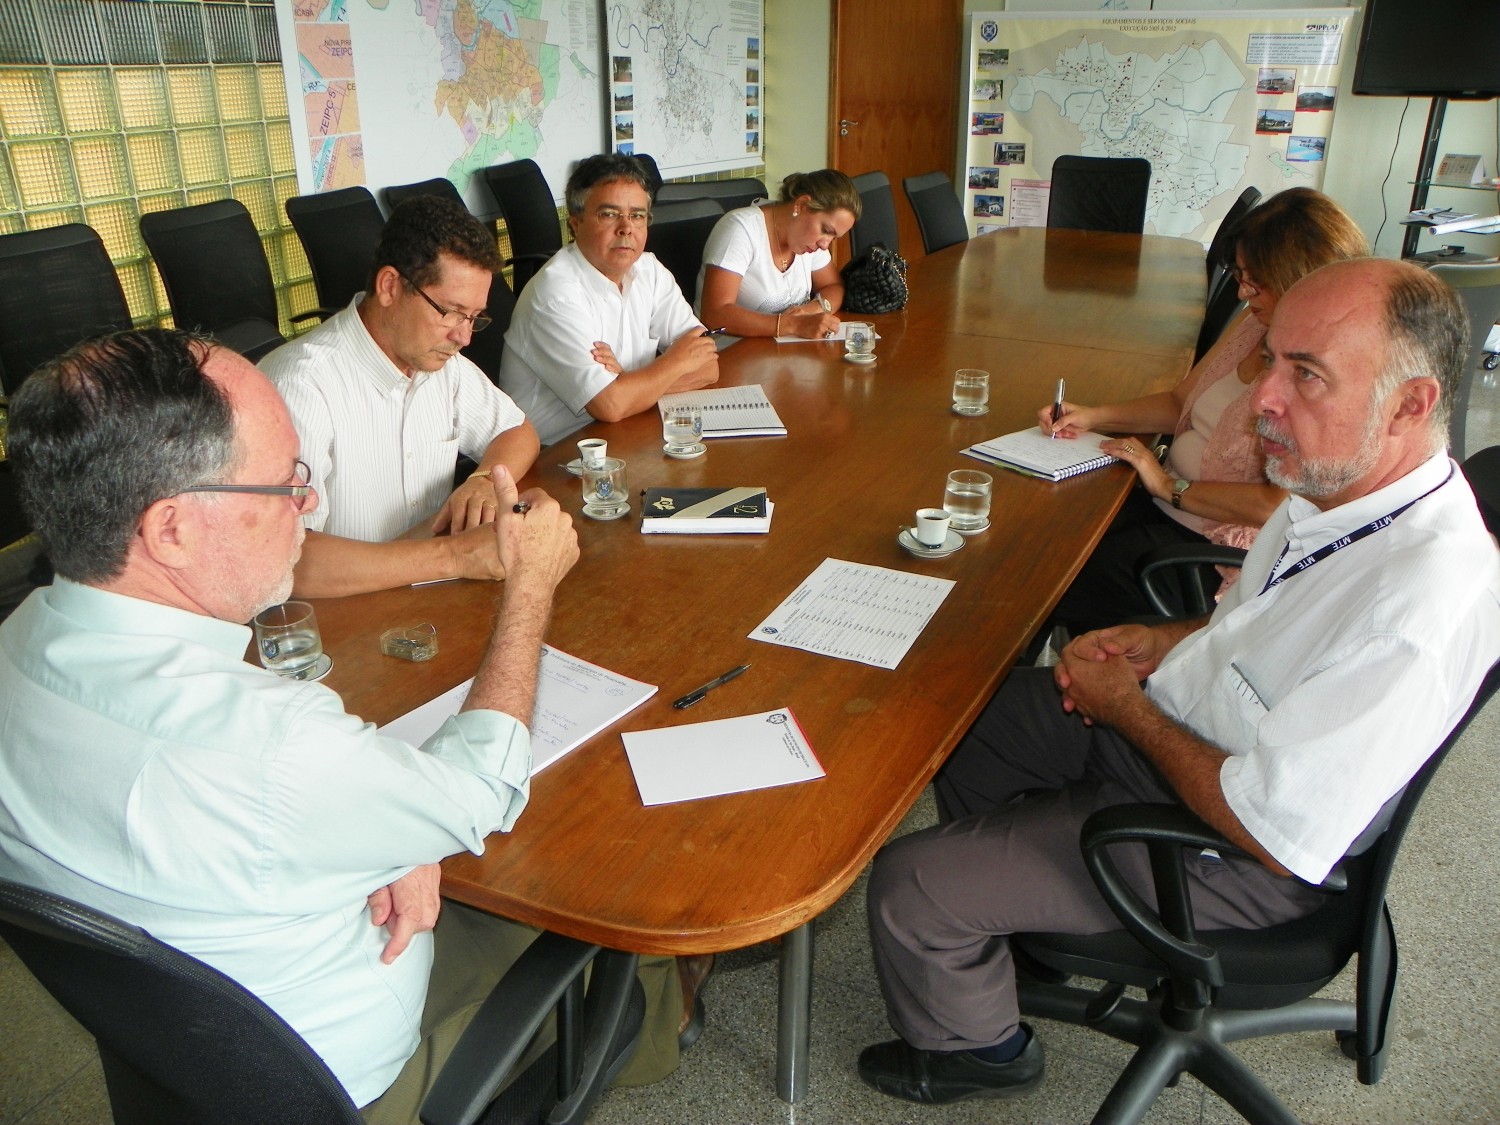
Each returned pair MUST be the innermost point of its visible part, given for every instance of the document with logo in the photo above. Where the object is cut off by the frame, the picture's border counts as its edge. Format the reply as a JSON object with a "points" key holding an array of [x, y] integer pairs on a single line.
{"points": [[575, 700], [722, 756]]}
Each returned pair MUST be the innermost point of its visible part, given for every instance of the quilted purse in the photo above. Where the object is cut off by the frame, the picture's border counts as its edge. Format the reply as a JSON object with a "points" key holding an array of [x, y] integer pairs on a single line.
{"points": [[875, 282]]}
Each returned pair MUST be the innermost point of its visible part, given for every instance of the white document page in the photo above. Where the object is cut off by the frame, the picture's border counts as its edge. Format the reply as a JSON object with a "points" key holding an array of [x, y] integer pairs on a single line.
{"points": [[723, 756], [855, 612], [575, 700]]}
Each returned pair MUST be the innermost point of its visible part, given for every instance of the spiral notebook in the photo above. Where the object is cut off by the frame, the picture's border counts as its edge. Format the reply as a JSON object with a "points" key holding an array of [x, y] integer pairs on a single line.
{"points": [[731, 411], [1035, 454]]}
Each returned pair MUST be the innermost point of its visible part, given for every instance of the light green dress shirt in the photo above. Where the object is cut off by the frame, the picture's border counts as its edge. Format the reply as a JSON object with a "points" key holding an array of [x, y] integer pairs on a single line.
{"points": [[147, 770]]}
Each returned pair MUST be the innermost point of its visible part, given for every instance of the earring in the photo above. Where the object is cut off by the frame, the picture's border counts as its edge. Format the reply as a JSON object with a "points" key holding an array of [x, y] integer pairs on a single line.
{"points": [[794, 212]]}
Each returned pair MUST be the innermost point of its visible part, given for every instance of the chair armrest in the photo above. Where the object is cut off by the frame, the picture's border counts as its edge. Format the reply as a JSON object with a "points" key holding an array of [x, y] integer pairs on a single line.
{"points": [[1167, 931], [320, 313], [503, 1027], [1173, 556]]}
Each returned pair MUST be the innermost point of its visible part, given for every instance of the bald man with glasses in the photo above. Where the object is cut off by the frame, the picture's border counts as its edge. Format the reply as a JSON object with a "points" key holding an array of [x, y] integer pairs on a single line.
{"points": [[602, 331], [384, 403]]}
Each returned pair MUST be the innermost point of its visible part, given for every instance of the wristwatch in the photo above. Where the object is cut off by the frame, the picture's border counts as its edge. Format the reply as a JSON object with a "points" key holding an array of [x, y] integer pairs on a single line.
{"points": [[1179, 486]]}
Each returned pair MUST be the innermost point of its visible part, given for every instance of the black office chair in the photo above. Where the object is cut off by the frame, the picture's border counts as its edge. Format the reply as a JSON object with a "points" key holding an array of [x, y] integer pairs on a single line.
{"points": [[729, 194], [677, 235], [530, 215], [339, 231], [1207, 989], [214, 269], [877, 215], [1099, 193], [183, 1044], [486, 348], [1478, 287], [1223, 302], [395, 194], [57, 287], [653, 173], [1218, 258], [940, 216]]}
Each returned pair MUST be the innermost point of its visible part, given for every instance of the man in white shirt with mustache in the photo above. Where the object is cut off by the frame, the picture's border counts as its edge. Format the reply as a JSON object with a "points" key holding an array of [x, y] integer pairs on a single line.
{"points": [[602, 331]]}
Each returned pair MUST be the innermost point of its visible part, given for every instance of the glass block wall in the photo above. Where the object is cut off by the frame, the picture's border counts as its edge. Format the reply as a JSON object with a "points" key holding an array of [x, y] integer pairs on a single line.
{"points": [[113, 108]]}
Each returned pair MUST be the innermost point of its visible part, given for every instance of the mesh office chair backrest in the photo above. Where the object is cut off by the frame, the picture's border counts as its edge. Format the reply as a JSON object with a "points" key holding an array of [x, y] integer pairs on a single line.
{"points": [[395, 194], [180, 1041], [677, 235], [339, 231], [1099, 193], [877, 218], [729, 194], [57, 287], [530, 215], [940, 217]]}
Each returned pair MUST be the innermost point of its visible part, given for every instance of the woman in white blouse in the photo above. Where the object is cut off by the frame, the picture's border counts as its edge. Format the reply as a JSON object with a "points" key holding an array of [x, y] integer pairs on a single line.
{"points": [[766, 268]]}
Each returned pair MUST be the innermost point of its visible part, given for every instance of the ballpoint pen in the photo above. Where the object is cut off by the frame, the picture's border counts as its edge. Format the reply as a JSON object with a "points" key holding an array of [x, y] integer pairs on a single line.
{"points": [[1057, 407], [694, 696]]}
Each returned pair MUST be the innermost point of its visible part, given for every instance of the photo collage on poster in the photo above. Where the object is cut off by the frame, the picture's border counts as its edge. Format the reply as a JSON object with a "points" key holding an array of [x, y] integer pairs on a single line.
{"points": [[1306, 136], [987, 120], [752, 95], [622, 114]]}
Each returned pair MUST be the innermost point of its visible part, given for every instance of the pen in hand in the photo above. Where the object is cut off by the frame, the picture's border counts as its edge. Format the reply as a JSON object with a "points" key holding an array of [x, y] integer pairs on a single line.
{"points": [[694, 696], [1057, 407]]}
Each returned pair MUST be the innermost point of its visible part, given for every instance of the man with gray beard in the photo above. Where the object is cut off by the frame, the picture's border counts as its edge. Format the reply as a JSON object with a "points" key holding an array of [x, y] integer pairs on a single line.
{"points": [[1365, 619]]}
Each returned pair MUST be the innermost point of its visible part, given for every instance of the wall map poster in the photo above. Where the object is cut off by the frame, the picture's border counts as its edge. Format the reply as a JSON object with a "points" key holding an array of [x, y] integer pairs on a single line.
{"points": [[685, 82], [1216, 101]]}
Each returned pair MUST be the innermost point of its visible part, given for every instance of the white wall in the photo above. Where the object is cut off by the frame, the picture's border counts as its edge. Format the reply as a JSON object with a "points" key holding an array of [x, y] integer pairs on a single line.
{"points": [[797, 40]]}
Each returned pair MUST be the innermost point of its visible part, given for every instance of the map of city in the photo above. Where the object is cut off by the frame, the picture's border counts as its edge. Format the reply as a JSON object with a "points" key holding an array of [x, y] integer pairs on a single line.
{"points": [[685, 82], [400, 90], [1104, 97], [1215, 103]]}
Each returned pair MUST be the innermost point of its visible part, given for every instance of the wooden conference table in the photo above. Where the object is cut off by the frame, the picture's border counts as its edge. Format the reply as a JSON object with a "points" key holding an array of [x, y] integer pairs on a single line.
{"points": [[1116, 315]]}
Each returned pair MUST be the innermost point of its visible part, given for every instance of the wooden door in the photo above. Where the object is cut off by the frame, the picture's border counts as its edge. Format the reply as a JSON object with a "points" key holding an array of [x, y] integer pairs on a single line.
{"points": [[895, 76]]}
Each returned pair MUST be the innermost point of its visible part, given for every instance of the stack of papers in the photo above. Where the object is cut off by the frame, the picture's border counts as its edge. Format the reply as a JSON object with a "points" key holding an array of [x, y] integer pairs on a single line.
{"points": [[1040, 455], [731, 411], [705, 511], [724, 756], [575, 700]]}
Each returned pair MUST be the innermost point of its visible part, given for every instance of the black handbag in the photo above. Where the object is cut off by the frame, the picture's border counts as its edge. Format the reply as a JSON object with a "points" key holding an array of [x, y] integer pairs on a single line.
{"points": [[875, 282]]}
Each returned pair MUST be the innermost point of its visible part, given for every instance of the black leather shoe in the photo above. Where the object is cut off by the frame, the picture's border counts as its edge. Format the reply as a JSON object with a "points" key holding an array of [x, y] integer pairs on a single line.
{"points": [[939, 1077]]}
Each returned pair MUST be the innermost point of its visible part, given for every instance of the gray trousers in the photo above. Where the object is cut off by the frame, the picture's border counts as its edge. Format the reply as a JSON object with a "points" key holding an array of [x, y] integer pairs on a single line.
{"points": [[1013, 798]]}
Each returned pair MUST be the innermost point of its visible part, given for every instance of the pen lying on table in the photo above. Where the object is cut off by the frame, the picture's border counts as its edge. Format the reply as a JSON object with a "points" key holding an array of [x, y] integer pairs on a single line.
{"points": [[694, 696]]}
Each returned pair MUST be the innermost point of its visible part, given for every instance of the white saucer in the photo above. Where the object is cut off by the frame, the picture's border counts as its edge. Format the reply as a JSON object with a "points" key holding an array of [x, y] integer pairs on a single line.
{"points": [[985, 526], [624, 509], [575, 466], [697, 449], [972, 413], [912, 545], [317, 670], [861, 359]]}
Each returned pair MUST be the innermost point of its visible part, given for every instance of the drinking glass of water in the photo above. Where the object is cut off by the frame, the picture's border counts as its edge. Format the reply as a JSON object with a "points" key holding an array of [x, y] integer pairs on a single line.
{"points": [[288, 641], [681, 427], [967, 499], [859, 341], [604, 495], [971, 391]]}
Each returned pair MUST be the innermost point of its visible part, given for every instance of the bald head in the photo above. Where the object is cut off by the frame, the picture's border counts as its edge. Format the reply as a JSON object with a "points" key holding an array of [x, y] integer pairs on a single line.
{"points": [[1362, 360]]}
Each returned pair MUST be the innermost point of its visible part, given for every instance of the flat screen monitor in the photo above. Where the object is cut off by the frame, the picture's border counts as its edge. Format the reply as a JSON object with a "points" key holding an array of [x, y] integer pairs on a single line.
{"points": [[1429, 48]]}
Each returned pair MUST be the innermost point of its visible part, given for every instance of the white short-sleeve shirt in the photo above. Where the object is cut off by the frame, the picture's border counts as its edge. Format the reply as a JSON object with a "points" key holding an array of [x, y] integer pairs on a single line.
{"points": [[548, 367], [1329, 690], [741, 244], [381, 445]]}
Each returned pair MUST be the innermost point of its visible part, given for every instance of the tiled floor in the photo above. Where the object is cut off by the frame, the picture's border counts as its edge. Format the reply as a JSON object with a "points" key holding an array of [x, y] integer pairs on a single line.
{"points": [[1443, 1064]]}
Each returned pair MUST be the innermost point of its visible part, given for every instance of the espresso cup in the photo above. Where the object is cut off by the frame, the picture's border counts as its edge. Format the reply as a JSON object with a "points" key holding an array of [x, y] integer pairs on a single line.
{"points": [[591, 451], [931, 528]]}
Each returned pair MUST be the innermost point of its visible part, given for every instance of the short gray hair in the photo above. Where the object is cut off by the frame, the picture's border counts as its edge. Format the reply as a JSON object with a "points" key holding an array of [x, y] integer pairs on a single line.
{"points": [[603, 169], [1427, 336], [100, 434]]}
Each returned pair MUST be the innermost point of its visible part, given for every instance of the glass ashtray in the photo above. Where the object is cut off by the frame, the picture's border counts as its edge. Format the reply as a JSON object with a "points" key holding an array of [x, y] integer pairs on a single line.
{"points": [[415, 643]]}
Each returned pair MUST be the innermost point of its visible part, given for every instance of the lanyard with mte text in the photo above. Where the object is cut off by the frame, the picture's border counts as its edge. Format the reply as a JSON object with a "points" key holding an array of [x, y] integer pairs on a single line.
{"points": [[1312, 560]]}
